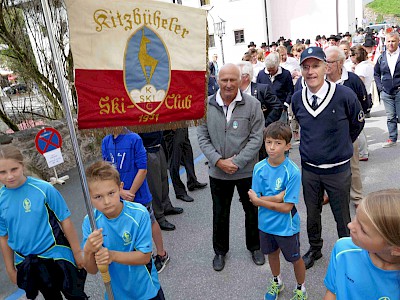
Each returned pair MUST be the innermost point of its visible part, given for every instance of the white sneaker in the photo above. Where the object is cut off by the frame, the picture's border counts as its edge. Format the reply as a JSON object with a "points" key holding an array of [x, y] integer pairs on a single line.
{"points": [[389, 143]]}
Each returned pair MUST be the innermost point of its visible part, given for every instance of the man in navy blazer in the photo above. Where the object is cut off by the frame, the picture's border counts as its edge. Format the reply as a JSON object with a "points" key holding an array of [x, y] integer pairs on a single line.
{"points": [[387, 79], [280, 80]]}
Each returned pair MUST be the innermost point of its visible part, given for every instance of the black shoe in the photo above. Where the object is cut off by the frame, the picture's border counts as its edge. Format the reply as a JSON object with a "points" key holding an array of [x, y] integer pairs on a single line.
{"points": [[219, 262], [167, 226], [185, 198], [173, 211], [197, 186], [258, 257], [310, 257]]}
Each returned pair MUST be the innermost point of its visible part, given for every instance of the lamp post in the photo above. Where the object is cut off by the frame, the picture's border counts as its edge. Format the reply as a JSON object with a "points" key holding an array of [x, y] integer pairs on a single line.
{"points": [[219, 29]]}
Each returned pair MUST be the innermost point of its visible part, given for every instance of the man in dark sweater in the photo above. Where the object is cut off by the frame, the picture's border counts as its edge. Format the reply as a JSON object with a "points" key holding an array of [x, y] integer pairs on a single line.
{"points": [[331, 118], [280, 80]]}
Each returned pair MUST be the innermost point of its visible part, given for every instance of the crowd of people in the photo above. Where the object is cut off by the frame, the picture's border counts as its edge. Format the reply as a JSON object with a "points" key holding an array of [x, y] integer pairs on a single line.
{"points": [[318, 94], [326, 90]]}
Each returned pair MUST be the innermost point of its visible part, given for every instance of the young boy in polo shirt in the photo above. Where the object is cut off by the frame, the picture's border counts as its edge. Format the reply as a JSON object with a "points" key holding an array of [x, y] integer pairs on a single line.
{"points": [[123, 240], [275, 190]]}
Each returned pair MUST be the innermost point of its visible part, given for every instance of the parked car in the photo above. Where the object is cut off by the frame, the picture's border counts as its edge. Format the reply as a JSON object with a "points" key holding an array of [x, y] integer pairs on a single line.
{"points": [[378, 27], [16, 88]]}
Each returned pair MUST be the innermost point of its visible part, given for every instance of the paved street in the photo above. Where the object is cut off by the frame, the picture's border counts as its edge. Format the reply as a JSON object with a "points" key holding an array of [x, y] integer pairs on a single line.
{"points": [[190, 274]]}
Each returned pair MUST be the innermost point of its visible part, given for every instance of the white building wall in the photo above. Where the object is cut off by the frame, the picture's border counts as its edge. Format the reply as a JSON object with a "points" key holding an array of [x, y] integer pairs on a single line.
{"points": [[302, 19], [239, 15], [289, 18]]}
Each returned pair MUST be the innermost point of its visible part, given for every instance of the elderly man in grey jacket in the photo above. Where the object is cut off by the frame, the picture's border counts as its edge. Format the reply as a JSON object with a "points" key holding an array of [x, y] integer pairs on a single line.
{"points": [[231, 139]]}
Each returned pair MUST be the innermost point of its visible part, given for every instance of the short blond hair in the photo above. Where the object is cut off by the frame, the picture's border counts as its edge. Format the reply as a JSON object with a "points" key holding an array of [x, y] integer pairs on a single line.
{"points": [[101, 171]]}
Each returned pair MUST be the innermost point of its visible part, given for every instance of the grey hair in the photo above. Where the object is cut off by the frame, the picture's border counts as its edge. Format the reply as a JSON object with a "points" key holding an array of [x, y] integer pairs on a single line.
{"points": [[335, 49], [272, 60], [246, 68], [394, 34]]}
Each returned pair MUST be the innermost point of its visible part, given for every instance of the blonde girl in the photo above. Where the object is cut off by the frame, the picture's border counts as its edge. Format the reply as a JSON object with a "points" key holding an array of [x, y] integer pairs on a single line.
{"points": [[367, 265], [38, 241]]}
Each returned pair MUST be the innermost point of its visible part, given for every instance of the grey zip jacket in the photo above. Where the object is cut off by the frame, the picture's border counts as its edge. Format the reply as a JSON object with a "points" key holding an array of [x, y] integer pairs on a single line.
{"points": [[241, 136]]}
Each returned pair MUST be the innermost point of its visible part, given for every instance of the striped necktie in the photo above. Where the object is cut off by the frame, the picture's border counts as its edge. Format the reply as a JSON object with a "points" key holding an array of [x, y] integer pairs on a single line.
{"points": [[314, 104]]}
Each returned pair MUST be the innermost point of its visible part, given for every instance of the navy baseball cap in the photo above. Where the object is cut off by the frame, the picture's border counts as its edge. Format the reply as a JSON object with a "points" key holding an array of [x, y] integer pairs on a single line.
{"points": [[312, 52]]}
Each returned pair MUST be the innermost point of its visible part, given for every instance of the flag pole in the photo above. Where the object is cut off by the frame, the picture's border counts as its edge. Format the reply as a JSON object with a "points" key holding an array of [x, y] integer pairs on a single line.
{"points": [[56, 60]]}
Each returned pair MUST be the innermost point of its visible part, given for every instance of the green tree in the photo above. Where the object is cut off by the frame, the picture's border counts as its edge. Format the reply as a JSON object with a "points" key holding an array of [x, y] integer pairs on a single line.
{"points": [[27, 52]]}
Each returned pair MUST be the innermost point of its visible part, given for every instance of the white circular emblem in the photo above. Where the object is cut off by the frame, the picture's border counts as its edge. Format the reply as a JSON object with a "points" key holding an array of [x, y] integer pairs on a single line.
{"points": [[235, 125], [361, 116], [310, 50]]}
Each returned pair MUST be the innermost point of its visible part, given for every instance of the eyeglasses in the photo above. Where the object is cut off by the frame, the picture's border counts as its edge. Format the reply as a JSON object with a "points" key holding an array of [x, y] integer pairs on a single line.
{"points": [[352, 55], [307, 68], [332, 61]]}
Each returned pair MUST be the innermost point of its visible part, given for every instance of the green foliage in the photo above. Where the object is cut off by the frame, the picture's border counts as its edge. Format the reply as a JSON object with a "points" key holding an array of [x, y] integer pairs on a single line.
{"points": [[379, 19], [24, 50], [385, 7]]}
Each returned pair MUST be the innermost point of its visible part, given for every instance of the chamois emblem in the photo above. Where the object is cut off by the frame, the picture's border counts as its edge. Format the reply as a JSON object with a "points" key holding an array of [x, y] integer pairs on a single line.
{"points": [[145, 59], [147, 71]]}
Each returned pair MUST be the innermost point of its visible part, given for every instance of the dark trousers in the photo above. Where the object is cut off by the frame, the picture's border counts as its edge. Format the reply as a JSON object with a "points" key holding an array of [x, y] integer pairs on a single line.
{"points": [[157, 178], [180, 152], [51, 277], [159, 296], [222, 194], [337, 187]]}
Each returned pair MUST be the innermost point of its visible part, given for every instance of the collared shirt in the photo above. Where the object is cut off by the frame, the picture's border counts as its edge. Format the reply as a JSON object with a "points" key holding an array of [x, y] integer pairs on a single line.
{"points": [[228, 109], [320, 94], [344, 76], [257, 67], [348, 65], [247, 90], [291, 64], [392, 60], [216, 68], [272, 78]]}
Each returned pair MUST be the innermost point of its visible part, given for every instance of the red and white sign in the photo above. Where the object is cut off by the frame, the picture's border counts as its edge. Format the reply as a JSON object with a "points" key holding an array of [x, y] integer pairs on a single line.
{"points": [[47, 140]]}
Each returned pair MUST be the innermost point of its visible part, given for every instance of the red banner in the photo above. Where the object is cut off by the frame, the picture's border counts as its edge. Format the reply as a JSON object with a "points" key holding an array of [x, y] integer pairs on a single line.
{"points": [[137, 62]]}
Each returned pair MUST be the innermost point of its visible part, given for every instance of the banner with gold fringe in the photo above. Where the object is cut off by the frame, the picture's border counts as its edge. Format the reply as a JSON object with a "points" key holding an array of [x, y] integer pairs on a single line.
{"points": [[138, 63]]}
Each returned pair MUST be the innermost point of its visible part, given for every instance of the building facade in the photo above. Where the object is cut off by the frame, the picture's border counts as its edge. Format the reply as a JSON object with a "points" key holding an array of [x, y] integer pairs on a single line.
{"points": [[261, 21]]}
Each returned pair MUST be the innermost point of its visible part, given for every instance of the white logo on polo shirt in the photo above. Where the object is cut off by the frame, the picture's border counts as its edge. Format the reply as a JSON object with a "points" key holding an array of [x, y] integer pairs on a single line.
{"points": [[278, 184], [126, 236], [27, 205]]}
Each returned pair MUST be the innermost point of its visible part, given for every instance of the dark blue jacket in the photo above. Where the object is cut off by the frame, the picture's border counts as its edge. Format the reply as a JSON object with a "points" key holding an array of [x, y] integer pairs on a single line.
{"points": [[270, 104], [152, 140], [358, 87], [127, 153], [383, 79], [282, 86]]}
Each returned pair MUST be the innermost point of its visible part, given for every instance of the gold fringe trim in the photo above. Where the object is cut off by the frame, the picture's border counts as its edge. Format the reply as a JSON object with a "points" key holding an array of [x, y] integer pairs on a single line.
{"points": [[101, 132]]}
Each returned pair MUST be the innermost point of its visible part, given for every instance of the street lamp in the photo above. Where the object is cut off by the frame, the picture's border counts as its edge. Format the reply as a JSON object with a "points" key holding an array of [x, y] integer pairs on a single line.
{"points": [[219, 29]]}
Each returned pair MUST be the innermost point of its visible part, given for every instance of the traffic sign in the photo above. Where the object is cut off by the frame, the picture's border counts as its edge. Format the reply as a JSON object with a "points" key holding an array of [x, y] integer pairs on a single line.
{"points": [[47, 140]]}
